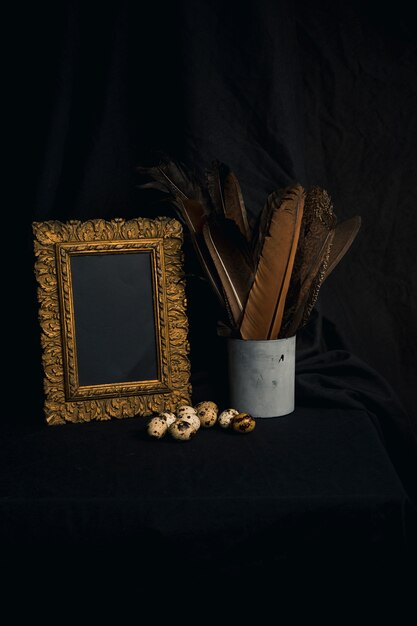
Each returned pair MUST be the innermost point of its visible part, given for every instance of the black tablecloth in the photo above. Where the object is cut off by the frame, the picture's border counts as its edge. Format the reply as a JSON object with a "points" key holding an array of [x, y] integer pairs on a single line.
{"points": [[327, 492], [315, 483]]}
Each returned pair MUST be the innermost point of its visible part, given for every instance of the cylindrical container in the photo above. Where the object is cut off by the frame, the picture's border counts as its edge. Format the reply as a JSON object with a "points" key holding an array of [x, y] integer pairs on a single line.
{"points": [[262, 376]]}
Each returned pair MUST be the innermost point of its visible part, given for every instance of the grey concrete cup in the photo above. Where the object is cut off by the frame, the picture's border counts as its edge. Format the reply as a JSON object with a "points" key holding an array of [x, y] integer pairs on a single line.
{"points": [[262, 376]]}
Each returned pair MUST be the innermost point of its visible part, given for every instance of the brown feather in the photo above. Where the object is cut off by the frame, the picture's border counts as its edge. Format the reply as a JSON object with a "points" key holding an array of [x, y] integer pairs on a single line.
{"points": [[319, 208], [192, 204], [234, 205], [215, 176], [262, 222], [174, 178], [303, 282], [314, 291], [230, 256], [195, 219], [316, 235], [193, 214], [344, 236], [264, 308], [226, 196]]}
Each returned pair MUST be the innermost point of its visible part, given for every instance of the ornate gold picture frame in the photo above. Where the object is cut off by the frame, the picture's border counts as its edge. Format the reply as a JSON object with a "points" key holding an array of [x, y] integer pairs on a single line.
{"points": [[112, 312]]}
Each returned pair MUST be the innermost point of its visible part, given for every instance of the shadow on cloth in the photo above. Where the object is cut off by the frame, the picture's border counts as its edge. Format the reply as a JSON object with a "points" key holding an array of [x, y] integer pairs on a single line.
{"points": [[327, 375]]}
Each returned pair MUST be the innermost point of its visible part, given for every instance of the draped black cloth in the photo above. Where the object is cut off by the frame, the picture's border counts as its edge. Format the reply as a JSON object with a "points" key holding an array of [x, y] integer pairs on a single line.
{"points": [[320, 93]]}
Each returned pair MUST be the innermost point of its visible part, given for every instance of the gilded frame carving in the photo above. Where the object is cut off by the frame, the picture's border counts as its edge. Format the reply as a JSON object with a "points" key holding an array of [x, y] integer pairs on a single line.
{"points": [[65, 399]]}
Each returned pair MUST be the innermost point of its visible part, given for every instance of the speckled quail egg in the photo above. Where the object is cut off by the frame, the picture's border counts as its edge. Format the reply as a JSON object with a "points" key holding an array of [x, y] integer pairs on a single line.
{"points": [[157, 427], [182, 430], [193, 419], [206, 404], [185, 409], [188, 413], [226, 416], [207, 412], [168, 417], [243, 423]]}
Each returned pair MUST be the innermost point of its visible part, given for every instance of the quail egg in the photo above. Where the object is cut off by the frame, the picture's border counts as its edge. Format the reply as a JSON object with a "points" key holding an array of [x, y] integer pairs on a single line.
{"points": [[243, 423], [168, 417], [193, 419], [207, 412], [206, 404], [226, 416], [157, 427], [185, 409], [188, 413], [182, 430]]}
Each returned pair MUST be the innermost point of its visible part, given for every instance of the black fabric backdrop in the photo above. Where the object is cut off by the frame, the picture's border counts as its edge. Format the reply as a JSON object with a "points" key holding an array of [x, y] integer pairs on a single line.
{"points": [[321, 93]]}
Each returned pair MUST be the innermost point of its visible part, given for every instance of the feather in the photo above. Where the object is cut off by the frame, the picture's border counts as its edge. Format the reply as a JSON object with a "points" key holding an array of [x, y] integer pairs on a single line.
{"points": [[185, 191], [215, 176], [338, 242], [314, 291], [303, 280], [195, 220], [266, 276], [320, 210], [226, 196], [321, 206], [192, 203], [344, 236], [264, 308], [230, 255], [174, 178], [235, 208], [261, 224], [316, 236]]}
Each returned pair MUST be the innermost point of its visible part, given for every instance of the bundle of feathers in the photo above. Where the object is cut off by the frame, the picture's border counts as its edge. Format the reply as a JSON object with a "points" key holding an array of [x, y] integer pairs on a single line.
{"points": [[268, 276]]}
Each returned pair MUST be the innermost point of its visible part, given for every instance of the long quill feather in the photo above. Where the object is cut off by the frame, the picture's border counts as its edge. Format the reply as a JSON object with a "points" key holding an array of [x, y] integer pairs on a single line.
{"points": [[193, 205], [264, 308], [228, 250], [320, 216], [215, 176], [235, 208], [316, 236], [174, 178], [227, 197], [336, 246], [303, 284], [262, 222], [344, 236]]}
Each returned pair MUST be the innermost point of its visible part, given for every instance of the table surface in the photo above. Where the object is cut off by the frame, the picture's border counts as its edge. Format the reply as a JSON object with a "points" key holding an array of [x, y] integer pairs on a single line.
{"points": [[311, 481]]}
